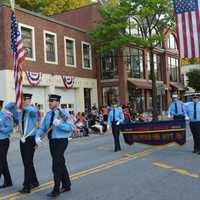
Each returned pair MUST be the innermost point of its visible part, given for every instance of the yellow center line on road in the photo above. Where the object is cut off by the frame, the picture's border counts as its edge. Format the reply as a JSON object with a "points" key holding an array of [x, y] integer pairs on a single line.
{"points": [[127, 157], [177, 170]]}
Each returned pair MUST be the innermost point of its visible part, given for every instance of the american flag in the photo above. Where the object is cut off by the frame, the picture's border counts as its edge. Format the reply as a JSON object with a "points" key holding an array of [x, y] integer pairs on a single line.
{"points": [[18, 58], [188, 27]]}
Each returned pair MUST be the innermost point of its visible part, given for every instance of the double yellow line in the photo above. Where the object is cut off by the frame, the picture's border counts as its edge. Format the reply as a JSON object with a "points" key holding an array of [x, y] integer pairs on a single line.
{"points": [[177, 170], [99, 168], [83, 173]]}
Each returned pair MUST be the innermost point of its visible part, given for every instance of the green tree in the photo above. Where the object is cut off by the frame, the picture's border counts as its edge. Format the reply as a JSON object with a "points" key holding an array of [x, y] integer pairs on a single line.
{"points": [[58, 6], [4, 1], [152, 18], [49, 7], [193, 79]]}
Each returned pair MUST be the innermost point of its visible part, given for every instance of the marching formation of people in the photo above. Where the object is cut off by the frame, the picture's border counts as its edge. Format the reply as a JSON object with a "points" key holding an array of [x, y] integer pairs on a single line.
{"points": [[58, 125]]}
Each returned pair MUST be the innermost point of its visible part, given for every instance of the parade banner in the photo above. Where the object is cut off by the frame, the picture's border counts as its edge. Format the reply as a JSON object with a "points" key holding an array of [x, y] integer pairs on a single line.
{"points": [[154, 133], [68, 81], [34, 78]]}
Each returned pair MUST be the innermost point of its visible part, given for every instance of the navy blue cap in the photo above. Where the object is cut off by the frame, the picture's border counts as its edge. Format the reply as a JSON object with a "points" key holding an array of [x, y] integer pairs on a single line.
{"points": [[54, 97], [27, 96]]}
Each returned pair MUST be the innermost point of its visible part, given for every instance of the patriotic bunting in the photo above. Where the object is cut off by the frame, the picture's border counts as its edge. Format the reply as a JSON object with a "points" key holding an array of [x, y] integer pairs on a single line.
{"points": [[34, 78], [68, 81]]}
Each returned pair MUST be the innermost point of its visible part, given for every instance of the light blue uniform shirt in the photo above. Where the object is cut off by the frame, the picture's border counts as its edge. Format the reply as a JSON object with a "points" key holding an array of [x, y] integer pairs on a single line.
{"points": [[180, 108], [119, 115], [190, 111], [11, 107], [6, 126], [30, 118], [64, 130]]}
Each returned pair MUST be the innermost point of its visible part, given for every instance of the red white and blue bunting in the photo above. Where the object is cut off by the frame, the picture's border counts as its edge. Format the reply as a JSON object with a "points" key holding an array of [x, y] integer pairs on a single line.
{"points": [[68, 81], [34, 78]]}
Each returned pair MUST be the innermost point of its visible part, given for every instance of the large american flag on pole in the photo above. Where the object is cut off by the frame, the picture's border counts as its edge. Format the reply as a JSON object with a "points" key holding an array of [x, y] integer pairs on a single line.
{"points": [[18, 58], [188, 27]]}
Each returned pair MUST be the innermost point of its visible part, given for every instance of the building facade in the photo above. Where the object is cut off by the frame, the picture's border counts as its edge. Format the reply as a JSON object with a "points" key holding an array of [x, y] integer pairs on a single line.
{"points": [[54, 50], [60, 46], [125, 74]]}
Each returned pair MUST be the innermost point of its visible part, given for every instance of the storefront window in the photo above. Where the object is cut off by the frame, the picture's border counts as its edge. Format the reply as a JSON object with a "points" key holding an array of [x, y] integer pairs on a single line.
{"points": [[171, 42], [174, 69], [157, 66], [27, 35], [109, 66], [87, 99], [50, 48], [135, 61]]}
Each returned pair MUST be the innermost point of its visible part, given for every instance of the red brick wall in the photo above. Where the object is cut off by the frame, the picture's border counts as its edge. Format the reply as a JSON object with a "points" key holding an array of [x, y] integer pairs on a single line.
{"points": [[41, 24], [3, 47], [83, 17]]}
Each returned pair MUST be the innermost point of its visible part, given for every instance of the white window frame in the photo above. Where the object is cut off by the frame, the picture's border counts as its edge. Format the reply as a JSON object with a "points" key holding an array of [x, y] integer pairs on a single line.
{"points": [[74, 46], [90, 48], [33, 40], [56, 47]]}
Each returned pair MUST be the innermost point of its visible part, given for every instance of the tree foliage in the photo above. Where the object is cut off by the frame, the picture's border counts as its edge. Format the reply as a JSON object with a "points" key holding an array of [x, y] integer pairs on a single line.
{"points": [[49, 7], [193, 79], [151, 18]]}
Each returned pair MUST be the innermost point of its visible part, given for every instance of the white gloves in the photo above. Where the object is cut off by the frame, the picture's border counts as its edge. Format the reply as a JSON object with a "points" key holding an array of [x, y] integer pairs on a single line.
{"points": [[108, 127], [187, 118], [38, 140], [56, 122], [23, 139], [118, 123], [169, 116]]}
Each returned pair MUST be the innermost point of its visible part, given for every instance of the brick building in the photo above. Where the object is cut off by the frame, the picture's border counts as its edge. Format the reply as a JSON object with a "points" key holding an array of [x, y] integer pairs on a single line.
{"points": [[53, 48], [125, 74], [59, 45]]}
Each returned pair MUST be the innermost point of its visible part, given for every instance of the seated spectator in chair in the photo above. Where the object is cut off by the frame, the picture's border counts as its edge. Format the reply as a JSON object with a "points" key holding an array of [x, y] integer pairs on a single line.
{"points": [[99, 125]]}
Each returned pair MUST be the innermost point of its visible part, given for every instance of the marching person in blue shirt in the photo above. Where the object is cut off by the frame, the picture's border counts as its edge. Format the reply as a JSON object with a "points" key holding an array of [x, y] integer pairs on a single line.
{"points": [[29, 127], [59, 128], [115, 117], [193, 113], [6, 128], [176, 108]]}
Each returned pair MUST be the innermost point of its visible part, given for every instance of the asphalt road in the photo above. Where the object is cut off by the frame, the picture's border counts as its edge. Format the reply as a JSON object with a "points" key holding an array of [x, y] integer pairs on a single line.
{"points": [[138, 172]]}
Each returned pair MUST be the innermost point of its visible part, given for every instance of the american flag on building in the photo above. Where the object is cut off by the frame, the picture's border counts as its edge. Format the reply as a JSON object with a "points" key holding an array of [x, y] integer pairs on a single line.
{"points": [[188, 27], [18, 58]]}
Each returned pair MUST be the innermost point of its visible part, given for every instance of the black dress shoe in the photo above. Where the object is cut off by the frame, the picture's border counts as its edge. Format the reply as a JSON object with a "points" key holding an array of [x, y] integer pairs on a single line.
{"points": [[25, 191], [5, 185], [34, 185], [194, 151], [65, 189], [117, 150], [53, 194]]}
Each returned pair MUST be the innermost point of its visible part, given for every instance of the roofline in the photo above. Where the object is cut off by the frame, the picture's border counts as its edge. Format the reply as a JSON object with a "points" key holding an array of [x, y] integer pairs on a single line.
{"points": [[44, 17], [71, 10]]}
